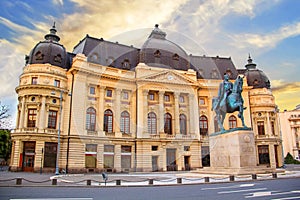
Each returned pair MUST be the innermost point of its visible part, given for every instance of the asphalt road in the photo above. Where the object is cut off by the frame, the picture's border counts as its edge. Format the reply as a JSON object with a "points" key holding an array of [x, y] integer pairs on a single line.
{"points": [[268, 189]]}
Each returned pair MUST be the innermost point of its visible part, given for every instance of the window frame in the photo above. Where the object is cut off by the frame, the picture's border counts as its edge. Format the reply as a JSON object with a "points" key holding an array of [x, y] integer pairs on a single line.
{"points": [[232, 120], [52, 119], [108, 122], [152, 123], [203, 125], [90, 123], [125, 122]]}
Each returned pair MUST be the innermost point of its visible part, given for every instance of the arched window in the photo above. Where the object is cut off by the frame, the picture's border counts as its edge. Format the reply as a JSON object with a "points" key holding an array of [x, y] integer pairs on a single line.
{"points": [[152, 123], [168, 124], [108, 121], [182, 122], [232, 122], [125, 122], [90, 119], [203, 125]]}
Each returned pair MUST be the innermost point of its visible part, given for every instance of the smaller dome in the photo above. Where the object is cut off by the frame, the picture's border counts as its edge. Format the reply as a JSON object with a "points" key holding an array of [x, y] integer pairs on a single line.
{"points": [[49, 51], [256, 77]]}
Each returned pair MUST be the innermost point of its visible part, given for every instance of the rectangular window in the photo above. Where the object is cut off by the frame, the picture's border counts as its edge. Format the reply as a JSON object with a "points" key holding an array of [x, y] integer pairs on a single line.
{"points": [[263, 153], [186, 148], [56, 83], [108, 93], [167, 98], [34, 80], [50, 152], [201, 101], [90, 155], [126, 157], [261, 128], [125, 95], [92, 90], [52, 118], [181, 99], [31, 122], [151, 96], [108, 156], [154, 148], [273, 128]]}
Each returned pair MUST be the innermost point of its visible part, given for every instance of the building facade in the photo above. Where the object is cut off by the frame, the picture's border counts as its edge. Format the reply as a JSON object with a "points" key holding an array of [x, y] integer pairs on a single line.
{"points": [[111, 107], [290, 128]]}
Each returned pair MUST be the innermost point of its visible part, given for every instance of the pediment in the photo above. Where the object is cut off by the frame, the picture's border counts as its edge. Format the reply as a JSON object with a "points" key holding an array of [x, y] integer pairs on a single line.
{"points": [[169, 77]]}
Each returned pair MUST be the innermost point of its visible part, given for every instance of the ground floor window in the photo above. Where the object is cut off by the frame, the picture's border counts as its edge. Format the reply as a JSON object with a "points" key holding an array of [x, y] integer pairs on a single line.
{"points": [[50, 152], [263, 154], [205, 156], [108, 156], [91, 155], [126, 157], [28, 156]]}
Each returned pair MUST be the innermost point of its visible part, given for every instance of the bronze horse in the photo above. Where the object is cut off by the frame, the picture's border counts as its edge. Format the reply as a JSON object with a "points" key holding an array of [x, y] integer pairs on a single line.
{"points": [[234, 102]]}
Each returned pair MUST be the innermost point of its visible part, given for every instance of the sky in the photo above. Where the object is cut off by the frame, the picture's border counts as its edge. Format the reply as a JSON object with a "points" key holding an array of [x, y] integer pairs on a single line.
{"points": [[267, 29]]}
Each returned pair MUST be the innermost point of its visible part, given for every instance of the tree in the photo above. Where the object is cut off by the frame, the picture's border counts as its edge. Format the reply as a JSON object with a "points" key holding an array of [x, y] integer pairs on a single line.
{"points": [[290, 160], [5, 140], [5, 144], [4, 114]]}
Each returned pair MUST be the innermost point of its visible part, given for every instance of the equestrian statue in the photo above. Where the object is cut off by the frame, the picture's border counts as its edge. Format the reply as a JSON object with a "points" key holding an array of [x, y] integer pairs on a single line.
{"points": [[229, 100]]}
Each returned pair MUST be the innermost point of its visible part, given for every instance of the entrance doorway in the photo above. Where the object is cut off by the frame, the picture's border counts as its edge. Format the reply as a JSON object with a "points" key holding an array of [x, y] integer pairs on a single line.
{"points": [[276, 155], [171, 160], [154, 163], [187, 165], [28, 156]]}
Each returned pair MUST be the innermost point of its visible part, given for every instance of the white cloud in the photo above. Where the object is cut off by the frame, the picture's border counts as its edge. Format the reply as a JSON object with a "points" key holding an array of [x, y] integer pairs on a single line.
{"points": [[268, 40], [58, 2]]}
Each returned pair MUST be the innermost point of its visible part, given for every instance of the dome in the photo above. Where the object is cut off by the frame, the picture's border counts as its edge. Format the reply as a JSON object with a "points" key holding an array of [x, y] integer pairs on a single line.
{"points": [[256, 77], [157, 51], [48, 51]]}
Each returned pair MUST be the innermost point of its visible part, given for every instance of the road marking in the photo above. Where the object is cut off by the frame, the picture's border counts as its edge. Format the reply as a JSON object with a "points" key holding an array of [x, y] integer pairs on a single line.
{"points": [[235, 186], [271, 193], [57, 199], [286, 198], [236, 191]]}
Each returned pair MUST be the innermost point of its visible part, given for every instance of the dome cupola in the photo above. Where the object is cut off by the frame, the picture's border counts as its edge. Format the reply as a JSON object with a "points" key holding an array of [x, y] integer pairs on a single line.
{"points": [[48, 51], [256, 77], [157, 51]]}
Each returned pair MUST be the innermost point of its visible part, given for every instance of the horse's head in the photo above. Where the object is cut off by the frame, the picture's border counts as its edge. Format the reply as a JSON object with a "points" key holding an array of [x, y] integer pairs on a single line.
{"points": [[238, 85]]}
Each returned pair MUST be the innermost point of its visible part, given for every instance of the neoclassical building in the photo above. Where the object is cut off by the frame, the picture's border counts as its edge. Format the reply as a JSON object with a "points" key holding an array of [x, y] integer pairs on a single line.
{"points": [[290, 128], [110, 107]]}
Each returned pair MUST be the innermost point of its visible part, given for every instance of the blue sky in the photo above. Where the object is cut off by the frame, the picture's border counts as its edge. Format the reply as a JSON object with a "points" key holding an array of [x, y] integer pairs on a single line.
{"points": [[267, 29]]}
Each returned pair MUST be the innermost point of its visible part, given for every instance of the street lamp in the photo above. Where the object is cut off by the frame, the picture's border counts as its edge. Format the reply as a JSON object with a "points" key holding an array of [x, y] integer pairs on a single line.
{"points": [[58, 133]]}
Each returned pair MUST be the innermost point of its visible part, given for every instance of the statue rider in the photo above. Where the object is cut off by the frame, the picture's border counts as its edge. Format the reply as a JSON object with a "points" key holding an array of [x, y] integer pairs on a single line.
{"points": [[225, 89]]}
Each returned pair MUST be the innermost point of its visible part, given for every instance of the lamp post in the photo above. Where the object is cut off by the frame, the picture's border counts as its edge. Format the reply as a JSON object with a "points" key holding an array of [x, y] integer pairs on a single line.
{"points": [[58, 133]]}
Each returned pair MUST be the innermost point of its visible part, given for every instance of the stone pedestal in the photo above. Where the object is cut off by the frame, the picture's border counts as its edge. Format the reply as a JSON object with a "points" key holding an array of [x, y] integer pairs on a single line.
{"points": [[233, 152]]}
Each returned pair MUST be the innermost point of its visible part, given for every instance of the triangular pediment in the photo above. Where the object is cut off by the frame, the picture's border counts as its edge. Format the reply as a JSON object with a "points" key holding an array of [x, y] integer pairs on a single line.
{"points": [[169, 77]]}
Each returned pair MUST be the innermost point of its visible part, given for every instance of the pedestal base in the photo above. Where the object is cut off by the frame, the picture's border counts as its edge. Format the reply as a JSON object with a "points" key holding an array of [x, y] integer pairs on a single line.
{"points": [[233, 152]]}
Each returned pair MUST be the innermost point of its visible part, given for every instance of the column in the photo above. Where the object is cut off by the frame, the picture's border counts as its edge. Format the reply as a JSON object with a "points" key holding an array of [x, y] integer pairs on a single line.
{"points": [[161, 112], [117, 163], [101, 108], [22, 114], [145, 111], [117, 104], [176, 117], [269, 130], [191, 109], [42, 119], [194, 115], [272, 156]]}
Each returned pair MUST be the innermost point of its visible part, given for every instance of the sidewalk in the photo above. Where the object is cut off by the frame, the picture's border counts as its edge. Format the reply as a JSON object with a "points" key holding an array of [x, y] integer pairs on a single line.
{"points": [[131, 179]]}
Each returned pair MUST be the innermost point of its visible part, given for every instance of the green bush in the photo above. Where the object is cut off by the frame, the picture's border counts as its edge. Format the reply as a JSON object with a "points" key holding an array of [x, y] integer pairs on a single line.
{"points": [[290, 160]]}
